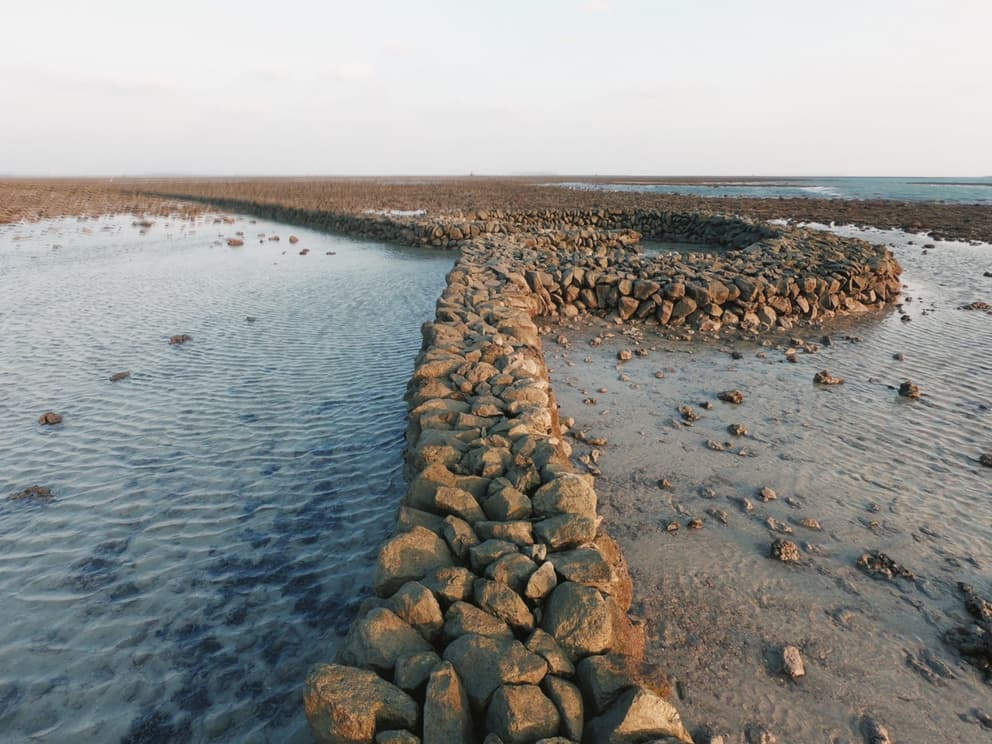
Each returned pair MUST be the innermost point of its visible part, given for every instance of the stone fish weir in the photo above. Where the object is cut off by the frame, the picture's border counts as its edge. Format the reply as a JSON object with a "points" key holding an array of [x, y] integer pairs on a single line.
{"points": [[501, 605]]}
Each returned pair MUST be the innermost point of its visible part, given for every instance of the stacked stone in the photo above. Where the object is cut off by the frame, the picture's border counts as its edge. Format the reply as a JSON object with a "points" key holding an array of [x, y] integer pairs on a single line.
{"points": [[501, 605]]}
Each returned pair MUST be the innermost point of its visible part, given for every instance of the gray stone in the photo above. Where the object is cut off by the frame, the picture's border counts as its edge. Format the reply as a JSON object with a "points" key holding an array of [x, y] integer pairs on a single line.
{"points": [[568, 701], [486, 552], [451, 500], [409, 556], [603, 678], [507, 504], [637, 716], [345, 705], [579, 619], [512, 569], [486, 663], [548, 649], [447, 717], [463, 618], [520, 714], [585, 566], [500, 600], [541, 582], [451, 583], [378, 639], [418, 606], [569, 493], [792, 662], [565, 531], [459, 535], [411, 671]]}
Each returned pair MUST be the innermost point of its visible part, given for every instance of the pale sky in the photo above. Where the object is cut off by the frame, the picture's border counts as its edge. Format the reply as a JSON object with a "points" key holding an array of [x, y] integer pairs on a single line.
{"points": [[707, 87]]}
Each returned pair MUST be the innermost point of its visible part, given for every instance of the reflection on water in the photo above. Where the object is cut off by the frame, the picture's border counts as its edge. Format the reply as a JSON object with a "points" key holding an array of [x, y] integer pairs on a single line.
{"points": [[218, 511]]}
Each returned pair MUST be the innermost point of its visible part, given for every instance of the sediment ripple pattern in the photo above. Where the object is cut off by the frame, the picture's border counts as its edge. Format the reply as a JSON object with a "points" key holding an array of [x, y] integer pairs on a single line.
{"points": [[216, 513]]}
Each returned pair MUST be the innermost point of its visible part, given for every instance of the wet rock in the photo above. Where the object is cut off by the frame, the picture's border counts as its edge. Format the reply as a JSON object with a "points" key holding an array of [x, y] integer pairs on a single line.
{"points": [[512, 569], [899, 356], [39, 493], [986, 459], [974, 641], [767, 494], [396, 737], [719, 515], [568, 700], [345, 705], [578, 618], [118, 376], [447, 716], [792, 662], [50, 418], [520, 714], [378, 639], [459, 535], [785, 551], [760, 735], [810, 524], [483, 664], [737, 430], [181, 338], [637, 716], [293, 239], [481, 555], [695, 524], [908, 390], [732, 396], [874, 732], [235, 242], [409, 556], [823, 377], [880, 566], [688, 413]]}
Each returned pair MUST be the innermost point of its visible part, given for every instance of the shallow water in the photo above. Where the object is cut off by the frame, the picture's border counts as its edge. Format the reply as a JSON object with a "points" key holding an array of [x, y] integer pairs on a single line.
{"points": [[950, 190], [717, 609], [217, 513]]}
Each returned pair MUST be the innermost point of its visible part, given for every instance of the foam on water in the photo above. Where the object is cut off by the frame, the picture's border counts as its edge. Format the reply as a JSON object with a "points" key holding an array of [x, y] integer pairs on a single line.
{"points": [[218, 512]]}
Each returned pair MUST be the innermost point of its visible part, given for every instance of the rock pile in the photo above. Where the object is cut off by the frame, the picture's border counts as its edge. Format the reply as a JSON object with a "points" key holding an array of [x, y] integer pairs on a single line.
{"points": [[501, 604]]}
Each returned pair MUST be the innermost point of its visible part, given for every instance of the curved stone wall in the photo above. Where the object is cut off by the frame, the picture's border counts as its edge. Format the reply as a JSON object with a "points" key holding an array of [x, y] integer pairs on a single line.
{"points": [[501, 606]]}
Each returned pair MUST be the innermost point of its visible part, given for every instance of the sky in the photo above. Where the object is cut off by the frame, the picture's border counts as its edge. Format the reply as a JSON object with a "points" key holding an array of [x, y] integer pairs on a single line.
{"points": [[695, 87]]}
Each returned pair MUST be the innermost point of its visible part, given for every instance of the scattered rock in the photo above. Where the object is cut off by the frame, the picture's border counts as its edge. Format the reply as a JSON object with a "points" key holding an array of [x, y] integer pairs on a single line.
{"points": [[625, 355], [118, 376], [737, 430], [810, 524], [40, 493], [688, 413], [874, 732], [823, 377], [760, 735], [908, 390], [785, 551], [50, 418], [179, 339], [880, 566], [695, 524], [293, 239], [345, 705], [235, 242], [792, 662], [732, 396], [767, 494]]}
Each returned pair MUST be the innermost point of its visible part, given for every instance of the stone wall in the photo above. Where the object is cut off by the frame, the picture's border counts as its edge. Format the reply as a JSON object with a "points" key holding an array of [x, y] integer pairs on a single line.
{"points": [[501, 605]]}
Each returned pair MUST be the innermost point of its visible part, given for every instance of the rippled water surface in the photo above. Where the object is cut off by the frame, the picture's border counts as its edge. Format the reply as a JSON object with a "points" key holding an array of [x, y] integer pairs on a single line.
{"points": [[217, 513]]}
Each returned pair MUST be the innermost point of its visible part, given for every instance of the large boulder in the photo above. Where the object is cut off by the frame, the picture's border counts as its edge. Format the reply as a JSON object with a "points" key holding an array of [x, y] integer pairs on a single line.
{"points": [[578, 618], [568, 701], [500, 600], [565, 531], [603, 677], [585, 566], [637, 716], [447, 717], [345, 705], [568, 493], [418, 606], [378, 639], [483, 664], [520, 714], [409, 557], [463, 618]]}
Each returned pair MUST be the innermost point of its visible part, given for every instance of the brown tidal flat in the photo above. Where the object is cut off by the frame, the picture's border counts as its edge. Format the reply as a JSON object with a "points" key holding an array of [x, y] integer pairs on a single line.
{"points": [[37, 199]]}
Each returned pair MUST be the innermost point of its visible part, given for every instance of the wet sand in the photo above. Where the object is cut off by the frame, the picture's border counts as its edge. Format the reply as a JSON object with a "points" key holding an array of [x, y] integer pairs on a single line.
{"points": [[877, 472]]}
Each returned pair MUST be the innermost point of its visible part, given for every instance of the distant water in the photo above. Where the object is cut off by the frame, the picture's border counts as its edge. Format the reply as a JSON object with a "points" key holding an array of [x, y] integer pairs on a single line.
{"points": [[951, 190], [218, 512]]}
